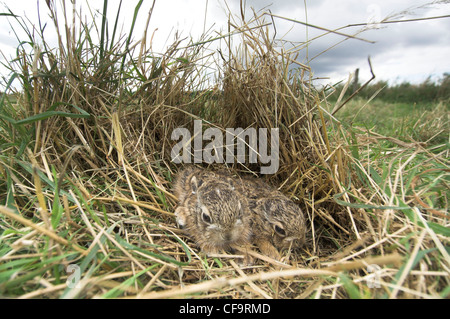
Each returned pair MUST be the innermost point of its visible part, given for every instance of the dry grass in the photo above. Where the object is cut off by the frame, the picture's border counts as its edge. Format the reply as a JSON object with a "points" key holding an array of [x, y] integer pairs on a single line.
{"points": [[86, 174]]}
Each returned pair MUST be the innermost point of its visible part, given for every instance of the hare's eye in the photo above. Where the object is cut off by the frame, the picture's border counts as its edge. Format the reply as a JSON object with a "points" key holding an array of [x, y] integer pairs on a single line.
{"points": [[280, 231], [205, 216]]}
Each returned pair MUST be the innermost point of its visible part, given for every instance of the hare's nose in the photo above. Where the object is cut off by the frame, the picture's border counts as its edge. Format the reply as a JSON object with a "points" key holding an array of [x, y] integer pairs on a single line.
{"points": [[227, 236]]}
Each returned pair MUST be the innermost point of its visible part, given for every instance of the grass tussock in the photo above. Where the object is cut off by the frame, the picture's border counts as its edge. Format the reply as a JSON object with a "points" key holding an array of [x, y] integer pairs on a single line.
{"points": [[86, 172]]}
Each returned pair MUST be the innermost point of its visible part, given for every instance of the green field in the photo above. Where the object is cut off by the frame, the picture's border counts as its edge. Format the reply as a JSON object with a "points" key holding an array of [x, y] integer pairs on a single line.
{"points": [[426, 122]]}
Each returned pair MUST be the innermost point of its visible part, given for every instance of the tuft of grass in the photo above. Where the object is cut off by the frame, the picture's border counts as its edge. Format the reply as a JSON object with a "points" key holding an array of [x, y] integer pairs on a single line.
{"points": [[85, 170]]}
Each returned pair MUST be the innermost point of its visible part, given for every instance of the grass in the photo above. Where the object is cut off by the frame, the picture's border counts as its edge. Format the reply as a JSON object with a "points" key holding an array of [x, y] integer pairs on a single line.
{"points": [[420, 122], [85, 172]]}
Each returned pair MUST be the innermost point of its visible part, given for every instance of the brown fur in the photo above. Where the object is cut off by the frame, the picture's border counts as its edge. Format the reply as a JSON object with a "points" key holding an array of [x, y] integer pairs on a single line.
{"points": [[272, 211], [268, 218], [229, 219]]}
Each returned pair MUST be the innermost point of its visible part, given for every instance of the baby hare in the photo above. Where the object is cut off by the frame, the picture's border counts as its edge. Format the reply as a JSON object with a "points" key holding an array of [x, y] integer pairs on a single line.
{"points": [[211, 211], [277, 222]]}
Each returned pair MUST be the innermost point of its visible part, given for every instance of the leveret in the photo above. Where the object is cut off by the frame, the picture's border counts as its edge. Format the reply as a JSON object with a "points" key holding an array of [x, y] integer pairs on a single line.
{"points": [[220, 212], [277, 222], [211, 211]]}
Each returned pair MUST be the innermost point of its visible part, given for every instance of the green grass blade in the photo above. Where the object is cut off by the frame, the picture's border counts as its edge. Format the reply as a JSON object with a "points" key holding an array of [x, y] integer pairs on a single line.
{"points": [[131, 247], [103, 31], [28, 167], [350, 287], [57, 209], [48, 114], [115, 26], [8, 86], [117, 291]]}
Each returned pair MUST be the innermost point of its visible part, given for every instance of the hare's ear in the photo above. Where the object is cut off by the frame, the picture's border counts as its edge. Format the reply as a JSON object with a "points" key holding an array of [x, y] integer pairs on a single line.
{"points": [[194, 184]]}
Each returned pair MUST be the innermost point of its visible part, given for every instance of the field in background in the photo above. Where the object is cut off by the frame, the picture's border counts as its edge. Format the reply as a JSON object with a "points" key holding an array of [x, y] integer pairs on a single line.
{"points": [[426, 122], [86, 207]]}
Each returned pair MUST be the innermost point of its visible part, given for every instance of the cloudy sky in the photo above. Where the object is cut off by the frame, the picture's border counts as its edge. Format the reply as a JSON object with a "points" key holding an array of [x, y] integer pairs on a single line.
{"points": [[409, 51]]}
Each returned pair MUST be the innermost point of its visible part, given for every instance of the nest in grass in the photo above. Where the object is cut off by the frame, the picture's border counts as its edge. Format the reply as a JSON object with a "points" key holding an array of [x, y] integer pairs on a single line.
{"points": [[258, 86], [119, 162], [264, 92]]}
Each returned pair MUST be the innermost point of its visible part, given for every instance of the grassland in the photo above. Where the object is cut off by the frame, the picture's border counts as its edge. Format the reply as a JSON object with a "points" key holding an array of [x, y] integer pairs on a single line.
{"points": [[86, 207], [425, 122]]}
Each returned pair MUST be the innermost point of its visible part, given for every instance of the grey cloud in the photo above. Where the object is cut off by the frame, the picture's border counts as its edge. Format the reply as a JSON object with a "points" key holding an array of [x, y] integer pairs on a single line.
{"points": [[393, 40]]}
